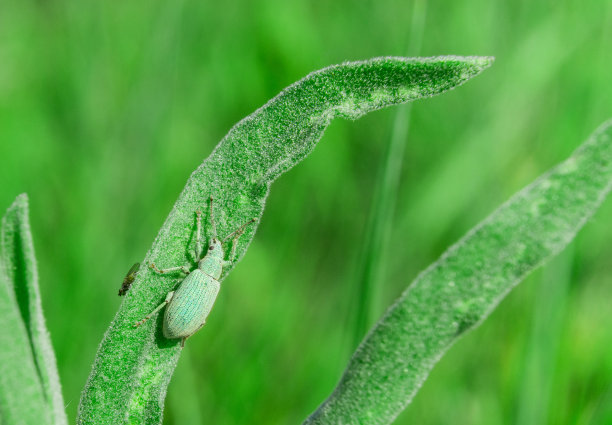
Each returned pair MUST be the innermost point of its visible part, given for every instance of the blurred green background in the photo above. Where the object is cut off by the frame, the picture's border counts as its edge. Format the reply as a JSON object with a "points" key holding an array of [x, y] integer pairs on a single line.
{"points": [[107, 107]]}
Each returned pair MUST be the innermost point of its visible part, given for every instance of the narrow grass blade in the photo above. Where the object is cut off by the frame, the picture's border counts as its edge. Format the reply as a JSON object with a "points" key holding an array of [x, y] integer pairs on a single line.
{"points": [[542, 352], [133, 366], [458, 291], [371, 264], [30, 391]]}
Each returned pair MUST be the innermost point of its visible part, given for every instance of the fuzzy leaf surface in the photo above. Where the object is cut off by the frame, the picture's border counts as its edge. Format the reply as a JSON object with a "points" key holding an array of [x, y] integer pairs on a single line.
{"points": [[30, 391], [133, 366], [468, 281]]}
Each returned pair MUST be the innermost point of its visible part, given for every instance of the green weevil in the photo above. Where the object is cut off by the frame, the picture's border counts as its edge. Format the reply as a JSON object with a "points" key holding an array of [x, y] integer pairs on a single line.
{"points": [[129, 279], [189, 305]]}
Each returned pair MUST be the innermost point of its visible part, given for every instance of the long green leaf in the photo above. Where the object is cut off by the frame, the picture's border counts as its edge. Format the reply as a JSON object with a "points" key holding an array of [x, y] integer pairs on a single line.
{"points": [[30, 391], [458, 291], [133, 366]]}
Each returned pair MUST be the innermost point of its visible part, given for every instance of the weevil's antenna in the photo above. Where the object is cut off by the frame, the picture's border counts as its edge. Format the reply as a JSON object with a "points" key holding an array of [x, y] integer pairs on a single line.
{"points": [[238, 230], [212, 218]]}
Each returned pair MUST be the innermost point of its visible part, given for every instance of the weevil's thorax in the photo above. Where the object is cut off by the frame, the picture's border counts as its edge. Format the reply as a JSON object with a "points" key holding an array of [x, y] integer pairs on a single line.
{"points": [[212, 263]]}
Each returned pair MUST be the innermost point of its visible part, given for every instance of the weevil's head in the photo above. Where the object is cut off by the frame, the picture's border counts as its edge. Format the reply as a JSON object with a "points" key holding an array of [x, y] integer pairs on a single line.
{"points": [[215, 249], [212, 263]]}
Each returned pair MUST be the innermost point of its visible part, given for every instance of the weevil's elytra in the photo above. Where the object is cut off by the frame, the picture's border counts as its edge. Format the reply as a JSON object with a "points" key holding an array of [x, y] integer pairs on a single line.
{"points": [[190, 304], [129, 279]]}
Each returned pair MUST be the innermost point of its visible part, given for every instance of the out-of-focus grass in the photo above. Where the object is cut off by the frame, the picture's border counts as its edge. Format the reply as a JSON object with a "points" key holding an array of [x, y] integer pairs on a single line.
{"points": [[372, 260], [106, 109]]}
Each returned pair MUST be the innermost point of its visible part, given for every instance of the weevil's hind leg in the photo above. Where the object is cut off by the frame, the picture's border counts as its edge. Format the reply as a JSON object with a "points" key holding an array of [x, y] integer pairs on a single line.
{"points": [[183, 342], [159, 307], [198, 251], [184, 269]]}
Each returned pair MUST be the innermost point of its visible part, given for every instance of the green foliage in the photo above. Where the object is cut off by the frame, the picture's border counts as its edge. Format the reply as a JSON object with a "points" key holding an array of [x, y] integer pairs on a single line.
{"points": [[133, 366], [106, 108], [459, 290], [29, 385]]}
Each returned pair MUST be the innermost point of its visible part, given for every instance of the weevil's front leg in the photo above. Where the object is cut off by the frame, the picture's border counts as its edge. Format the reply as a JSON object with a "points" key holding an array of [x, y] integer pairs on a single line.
{"points": [[236, 234], [184, 269], [212, 218], [198, 236], [193, 256], [159, 307], [232, 256]]}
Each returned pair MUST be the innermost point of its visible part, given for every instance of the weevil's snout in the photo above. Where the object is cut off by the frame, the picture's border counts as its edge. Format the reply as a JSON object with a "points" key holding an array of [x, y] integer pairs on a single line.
{"points": [[215, 247]]}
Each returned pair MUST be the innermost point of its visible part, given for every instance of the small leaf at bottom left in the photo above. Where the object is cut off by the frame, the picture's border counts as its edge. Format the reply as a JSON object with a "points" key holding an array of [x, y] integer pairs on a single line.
{"points": [[29, 385]]}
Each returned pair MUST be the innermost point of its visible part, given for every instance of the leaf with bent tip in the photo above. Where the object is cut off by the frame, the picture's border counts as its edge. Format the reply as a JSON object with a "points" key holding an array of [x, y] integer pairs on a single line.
{"points": [[30, 391], [458, 291], [133, 366]]}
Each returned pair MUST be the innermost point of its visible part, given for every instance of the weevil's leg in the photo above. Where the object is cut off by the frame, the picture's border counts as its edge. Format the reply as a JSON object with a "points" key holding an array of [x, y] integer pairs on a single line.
{"points": [[183, 342], [236, 234], [198, 235], [239, 231], [192, 255], [212, 218], [232, 256], [159, 307], [184, 269]]}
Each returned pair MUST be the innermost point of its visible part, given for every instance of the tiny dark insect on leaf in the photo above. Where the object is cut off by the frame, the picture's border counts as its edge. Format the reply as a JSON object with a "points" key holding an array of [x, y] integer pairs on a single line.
{"points": [[129, 279]]}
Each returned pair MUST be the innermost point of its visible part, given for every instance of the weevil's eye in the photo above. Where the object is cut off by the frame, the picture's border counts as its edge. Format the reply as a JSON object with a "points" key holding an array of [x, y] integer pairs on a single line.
{"points": [[211, 247]]}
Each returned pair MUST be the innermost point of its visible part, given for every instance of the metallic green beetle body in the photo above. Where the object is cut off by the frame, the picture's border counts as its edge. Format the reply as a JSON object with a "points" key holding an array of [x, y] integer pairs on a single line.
{"points": [[190, 304], [192, 301]]}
